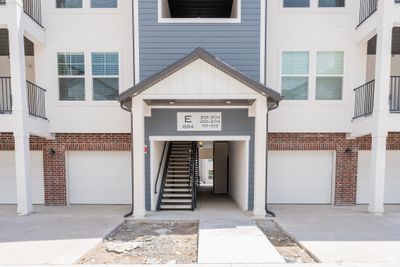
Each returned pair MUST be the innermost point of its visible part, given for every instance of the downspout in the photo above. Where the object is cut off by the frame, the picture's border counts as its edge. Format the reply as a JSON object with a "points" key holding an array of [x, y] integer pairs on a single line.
{"points": [[133, 194], [269, 212]]}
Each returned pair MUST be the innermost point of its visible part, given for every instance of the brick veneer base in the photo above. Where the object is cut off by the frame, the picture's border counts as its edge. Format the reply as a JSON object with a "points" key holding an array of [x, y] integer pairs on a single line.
{"points": [[346, 156]]}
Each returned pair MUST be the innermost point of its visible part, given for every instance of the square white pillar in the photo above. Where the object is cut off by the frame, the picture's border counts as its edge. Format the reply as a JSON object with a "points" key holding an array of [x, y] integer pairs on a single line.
{"points": [[260, 150], [139, 201]]}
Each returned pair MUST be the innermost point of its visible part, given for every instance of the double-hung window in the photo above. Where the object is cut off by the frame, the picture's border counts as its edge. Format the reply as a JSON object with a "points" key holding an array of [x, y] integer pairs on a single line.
{"points": [[69, 3], [329, 77], [295, 75], [331, 3], [71, 76], [105, 73], [103, 3]]}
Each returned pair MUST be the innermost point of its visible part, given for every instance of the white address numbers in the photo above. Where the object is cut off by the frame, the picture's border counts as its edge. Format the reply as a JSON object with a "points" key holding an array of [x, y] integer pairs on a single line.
{"points": [[199, 121]]}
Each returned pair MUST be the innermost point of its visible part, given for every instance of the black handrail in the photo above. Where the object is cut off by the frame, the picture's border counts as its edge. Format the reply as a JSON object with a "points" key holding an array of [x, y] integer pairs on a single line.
{"points": [[5, 95], [394, 97], [364, 100], [165, 172], [33, 8], [194, 173], [367, 8], [159, 167], [36, 100]]}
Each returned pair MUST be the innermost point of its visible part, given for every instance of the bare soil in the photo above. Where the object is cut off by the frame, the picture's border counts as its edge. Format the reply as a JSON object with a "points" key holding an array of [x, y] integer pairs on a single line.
{"points": [[284, 244], [147, 243]]}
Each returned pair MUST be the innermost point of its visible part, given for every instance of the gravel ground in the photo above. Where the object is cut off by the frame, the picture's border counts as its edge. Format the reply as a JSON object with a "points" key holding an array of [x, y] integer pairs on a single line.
{"points": [[147, 243], [284, 244]]}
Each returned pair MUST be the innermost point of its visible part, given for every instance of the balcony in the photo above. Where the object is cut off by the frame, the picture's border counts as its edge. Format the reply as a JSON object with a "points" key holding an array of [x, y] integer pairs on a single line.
{"points": [[36, 98], [367, 8], [364, 98], [32, 8]]}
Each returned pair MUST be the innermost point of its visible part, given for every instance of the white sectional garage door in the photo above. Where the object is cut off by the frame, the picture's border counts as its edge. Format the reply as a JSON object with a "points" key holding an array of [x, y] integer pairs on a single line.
{"points": [[300, 177], [8, 183], [392, 179], [96, 177]]}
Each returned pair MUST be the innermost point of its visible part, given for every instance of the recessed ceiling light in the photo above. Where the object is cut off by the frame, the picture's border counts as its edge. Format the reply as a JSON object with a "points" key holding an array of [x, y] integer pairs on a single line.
{"points": [[229, 102], [171, 102]]}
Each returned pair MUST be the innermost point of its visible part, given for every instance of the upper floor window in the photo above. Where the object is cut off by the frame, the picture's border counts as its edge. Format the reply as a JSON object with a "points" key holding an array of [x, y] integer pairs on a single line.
{"points": [[296, 3], [329, 78], [69, 4], [71, 72], [331, 3], [192, 11], [105, 72], [295, 75], [103, 3]]}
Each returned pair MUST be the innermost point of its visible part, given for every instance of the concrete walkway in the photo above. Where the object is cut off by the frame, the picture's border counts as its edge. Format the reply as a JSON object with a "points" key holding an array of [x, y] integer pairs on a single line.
{"points": [[344, 234], [54, 235], [226, 234]]}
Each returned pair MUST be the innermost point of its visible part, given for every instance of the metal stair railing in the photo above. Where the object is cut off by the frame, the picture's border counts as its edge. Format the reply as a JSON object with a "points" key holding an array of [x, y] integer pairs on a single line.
{"points": [[164, 177]]}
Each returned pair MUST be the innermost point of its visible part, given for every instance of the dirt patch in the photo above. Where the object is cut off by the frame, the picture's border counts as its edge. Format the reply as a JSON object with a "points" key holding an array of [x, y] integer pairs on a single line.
{"points": [[284, 244], [147, 243]]}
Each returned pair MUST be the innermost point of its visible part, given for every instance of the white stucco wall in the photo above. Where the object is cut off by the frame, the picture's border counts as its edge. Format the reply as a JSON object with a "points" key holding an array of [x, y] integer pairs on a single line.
{"points": [[238, 172]]}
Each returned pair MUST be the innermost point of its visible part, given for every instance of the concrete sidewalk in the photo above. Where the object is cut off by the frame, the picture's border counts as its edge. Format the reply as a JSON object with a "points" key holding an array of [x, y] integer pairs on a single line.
{"points": [[54, 235], [344, 234], [226, 234]]}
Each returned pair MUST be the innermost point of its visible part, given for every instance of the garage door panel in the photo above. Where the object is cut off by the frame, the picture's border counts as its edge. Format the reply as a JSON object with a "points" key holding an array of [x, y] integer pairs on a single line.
{"points": [[392, 177], [8, 183], [300, 177], [99, 177]]}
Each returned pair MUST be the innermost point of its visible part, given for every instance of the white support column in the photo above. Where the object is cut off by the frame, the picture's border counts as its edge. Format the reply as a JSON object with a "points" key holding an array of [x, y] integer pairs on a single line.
{"points": [[381, 108], [20, 113], [139, 201], [260, 151]]}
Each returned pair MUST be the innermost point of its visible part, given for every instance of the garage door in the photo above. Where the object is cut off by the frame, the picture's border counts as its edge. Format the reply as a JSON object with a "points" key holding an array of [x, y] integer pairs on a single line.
{"points": [[8, 182], [99, 177], [392, 179], [300, 177]]}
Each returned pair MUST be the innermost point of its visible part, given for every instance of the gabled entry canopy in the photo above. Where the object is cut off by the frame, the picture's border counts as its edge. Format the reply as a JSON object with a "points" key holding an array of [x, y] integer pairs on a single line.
{"points": [[255, 87]]}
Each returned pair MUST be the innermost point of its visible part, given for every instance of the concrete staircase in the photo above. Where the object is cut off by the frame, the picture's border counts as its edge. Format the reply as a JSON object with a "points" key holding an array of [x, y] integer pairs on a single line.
{"points": [[176, 191]]}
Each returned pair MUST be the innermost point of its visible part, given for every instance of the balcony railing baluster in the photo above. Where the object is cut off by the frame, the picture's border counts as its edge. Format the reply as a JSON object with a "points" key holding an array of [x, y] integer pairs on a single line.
{"points": [[395, 94], [36, 100], [364, 100], [5, 95], [33, 8], [367, 8]]}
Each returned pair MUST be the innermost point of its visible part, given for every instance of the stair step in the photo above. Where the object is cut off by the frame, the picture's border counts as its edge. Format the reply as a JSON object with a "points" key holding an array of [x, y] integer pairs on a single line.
{"points": [[178, 171], [178, 175], [175, 207], [176, 185], [178, 180], [180, 190], [176, 200], [176, 195]]}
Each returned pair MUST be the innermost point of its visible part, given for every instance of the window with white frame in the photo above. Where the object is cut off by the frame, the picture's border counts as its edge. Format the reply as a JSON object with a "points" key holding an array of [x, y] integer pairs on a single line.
{"points": [[105, 75], [103, 3], [71, 80], [331, 3], [69, 3], [199, 10], [295, 75], [329, 76]]}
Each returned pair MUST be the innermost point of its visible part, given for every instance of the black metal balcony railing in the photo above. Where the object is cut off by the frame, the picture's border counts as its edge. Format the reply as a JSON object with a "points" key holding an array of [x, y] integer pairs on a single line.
{"points": [[5, 95], [33, 8], [364, 99], [394, 97], [367, 8], [2, 2], [36, 100]]}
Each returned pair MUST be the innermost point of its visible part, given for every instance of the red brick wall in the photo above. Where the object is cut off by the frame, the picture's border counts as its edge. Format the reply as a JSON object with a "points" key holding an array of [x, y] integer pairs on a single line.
{"points": [[346, 156]]}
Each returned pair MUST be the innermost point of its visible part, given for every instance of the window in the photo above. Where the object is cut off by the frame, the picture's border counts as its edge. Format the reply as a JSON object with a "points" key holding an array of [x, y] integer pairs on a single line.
{"points": [[104, 3], [296, 3], [69, 3], [331, 3], [193, 10], [71, 71], [295, 72], [329, 81], [105, 72]]}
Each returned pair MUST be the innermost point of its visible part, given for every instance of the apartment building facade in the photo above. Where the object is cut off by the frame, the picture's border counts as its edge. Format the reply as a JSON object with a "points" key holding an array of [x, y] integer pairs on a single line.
{"points": [[294, 101]]}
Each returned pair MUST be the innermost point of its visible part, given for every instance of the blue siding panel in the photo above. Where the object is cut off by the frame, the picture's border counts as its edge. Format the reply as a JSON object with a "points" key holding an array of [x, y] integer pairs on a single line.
{"points": [[237, 44], [163, 122]]}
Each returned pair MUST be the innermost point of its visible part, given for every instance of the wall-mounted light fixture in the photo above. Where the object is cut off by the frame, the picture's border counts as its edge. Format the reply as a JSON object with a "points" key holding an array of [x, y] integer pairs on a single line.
{"points": [[349, 150], [52, 151]]}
